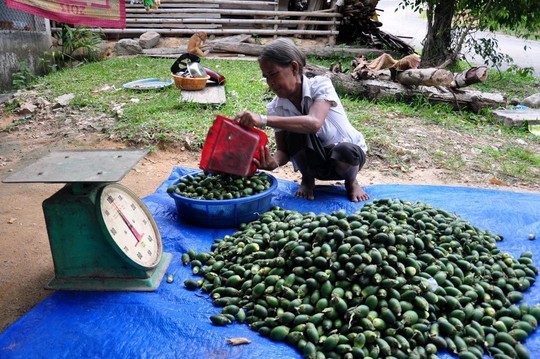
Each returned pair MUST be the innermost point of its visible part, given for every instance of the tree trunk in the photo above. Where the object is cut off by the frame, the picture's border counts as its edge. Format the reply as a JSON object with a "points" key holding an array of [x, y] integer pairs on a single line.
{"points": [[439, 36], [474, 101]]}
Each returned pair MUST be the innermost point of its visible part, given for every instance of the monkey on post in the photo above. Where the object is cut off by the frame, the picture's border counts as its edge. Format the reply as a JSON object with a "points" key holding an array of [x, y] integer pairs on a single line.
{"points": [[196, 43]]}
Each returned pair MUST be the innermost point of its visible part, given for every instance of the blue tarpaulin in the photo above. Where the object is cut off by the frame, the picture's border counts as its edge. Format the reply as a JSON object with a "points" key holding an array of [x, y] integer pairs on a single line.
{"points": [[173, 322]]}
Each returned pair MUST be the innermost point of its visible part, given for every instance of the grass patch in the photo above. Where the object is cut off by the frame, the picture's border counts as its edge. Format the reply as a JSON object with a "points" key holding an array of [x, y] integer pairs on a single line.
{"points": [[449, 160], [516, 162], [155, 117], [512, 82]]}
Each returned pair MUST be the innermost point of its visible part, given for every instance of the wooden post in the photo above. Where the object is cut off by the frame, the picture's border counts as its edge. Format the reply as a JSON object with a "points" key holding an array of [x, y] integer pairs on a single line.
{"points": [[332, 38], [314, 5]]}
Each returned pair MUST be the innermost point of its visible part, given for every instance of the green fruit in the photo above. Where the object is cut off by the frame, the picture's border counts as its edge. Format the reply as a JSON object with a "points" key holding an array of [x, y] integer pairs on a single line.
{"points": [[190, 284], [279, 333], [220, 320]]}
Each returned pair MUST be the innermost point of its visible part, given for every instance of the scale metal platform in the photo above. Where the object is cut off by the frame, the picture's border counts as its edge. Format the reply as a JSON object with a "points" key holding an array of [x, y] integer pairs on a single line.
{"points": [[102, 236]]}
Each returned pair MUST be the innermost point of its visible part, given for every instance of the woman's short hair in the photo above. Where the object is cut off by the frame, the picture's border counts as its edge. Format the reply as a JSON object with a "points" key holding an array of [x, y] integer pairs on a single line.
{"points": [[282, 52]]}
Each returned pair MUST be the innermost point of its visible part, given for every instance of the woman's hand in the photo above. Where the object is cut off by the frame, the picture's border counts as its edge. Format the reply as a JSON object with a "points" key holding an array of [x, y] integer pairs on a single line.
{"points": [[248, 119], [266, 160]]}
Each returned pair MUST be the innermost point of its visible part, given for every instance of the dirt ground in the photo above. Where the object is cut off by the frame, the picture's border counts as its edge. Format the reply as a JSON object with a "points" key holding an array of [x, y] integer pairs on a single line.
{"points": [[25, 257]]}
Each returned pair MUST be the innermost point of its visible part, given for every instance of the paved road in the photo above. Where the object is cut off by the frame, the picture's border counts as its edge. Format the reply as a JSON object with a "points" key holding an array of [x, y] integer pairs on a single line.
{"points": [[411, 27]]}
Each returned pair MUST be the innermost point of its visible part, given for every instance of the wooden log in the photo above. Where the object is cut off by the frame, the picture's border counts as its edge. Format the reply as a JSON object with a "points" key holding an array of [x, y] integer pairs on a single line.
{"points": [[323, 51], [219, 45], [238, 47], [234, 39], [471, 76], [425, 77], [474, 101]]}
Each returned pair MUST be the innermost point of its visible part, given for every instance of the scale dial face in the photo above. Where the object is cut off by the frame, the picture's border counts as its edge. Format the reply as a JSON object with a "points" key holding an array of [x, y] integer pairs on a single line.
{"points": [[129, 226]]}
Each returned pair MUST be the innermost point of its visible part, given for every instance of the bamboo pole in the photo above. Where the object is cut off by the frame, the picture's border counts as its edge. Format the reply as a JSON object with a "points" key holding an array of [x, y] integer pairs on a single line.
{"points": [[241, 12], [188, 31], [228, 21], [200, 27], [168, 5], [169, 16], [196, 3]]}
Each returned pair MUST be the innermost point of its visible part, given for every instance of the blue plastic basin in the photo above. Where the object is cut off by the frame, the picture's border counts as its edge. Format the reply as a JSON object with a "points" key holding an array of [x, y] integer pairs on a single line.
{"points": [[228, 213]]}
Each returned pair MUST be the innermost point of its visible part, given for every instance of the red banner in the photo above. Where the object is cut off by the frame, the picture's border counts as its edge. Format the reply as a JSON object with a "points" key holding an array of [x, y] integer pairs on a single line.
{"points": [[94, 13]]}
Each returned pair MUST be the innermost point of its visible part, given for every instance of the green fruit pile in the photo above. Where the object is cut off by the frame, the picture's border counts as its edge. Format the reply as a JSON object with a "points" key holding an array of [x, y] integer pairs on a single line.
{"points": [[394, 279], [220, 186]]}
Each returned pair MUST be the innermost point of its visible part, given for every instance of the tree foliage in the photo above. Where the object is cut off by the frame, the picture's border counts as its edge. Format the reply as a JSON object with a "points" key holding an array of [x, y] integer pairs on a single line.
{"points": [[458, 26]]}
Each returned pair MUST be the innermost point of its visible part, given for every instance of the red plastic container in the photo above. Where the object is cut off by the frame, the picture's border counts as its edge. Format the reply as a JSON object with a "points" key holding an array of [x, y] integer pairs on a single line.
{"points": [[231, 148]]}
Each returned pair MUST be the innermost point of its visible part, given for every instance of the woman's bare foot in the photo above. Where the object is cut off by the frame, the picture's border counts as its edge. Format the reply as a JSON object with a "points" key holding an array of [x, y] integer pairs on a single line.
{"points": [[355, 192], [306, 189]]}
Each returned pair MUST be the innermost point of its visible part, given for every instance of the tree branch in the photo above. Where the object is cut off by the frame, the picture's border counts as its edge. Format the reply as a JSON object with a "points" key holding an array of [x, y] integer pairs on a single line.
{"points": [[466, 32]]}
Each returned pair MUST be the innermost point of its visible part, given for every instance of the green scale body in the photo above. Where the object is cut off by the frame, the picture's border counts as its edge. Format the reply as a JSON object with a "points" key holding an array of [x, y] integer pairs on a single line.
{"points": [[85, 254], [101, 234]]}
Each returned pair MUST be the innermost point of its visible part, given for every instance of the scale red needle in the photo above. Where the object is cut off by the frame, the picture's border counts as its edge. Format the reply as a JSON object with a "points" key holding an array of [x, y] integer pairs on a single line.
{"points": [[138, 236]]}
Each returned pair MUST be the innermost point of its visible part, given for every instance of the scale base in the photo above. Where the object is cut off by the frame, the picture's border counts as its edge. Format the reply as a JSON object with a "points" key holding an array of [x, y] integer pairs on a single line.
{"points": [[114, 284]]}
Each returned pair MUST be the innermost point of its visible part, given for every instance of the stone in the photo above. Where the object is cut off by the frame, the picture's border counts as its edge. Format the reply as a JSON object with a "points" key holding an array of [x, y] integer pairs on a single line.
{"points": [[41, 102], [128, 47], [149, 39], [513, 101], [532, 101], [102, 50], [63, 101], [517, 117], [27, 109]]}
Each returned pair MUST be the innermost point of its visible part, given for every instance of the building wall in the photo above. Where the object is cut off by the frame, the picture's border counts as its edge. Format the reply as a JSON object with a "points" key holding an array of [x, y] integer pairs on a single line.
{"points": [[23, 39], [20, 48]]}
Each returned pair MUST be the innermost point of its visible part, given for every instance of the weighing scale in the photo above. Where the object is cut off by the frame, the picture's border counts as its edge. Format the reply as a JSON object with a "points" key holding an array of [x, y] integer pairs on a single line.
{"points": [[101, 234]]}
